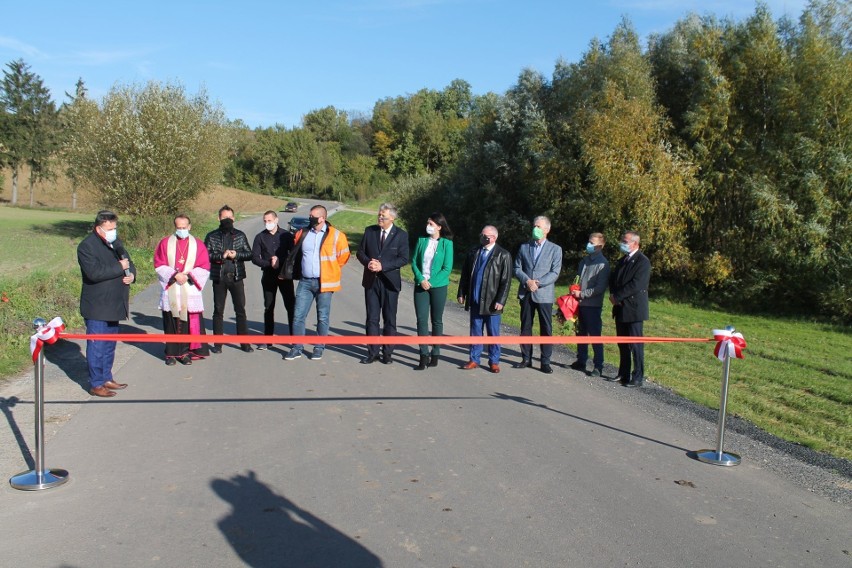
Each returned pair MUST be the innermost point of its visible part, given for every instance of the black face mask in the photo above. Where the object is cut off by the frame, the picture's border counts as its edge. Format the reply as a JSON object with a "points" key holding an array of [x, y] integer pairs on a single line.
{"points": [[226, 224], [483, 240], [313, 222]]}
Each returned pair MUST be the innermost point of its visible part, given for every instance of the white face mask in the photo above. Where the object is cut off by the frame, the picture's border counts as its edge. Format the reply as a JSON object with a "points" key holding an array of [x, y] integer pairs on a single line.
{"points": [[271, 226], [430, 230], [111, 235], [182, 233]]}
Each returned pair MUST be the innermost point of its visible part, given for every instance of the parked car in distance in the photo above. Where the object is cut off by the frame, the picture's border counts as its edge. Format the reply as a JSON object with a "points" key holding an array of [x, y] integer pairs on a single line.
{"points": [[297, 223], [291, 207]]}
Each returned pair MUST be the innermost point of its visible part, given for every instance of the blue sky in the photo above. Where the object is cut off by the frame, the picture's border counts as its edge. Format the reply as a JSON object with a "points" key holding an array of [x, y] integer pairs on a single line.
{"points": [[272, 62]]}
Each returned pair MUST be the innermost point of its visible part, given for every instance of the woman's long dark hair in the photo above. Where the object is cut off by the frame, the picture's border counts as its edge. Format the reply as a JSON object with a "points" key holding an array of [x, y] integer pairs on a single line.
{"points": [[441, 221]]}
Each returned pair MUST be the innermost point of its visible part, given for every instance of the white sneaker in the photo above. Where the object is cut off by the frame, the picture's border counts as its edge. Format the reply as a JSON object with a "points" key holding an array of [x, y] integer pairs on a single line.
{"points": [[262, 346]]}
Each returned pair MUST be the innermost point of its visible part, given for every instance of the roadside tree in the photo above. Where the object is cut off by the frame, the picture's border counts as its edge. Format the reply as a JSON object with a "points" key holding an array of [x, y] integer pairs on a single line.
{"points": [[148, 151], [29, 126]]}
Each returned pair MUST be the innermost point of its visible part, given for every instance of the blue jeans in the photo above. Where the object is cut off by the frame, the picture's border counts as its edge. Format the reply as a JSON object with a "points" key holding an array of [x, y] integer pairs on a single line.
{"points": [[308, 291], [492, 326], [100, 355]]}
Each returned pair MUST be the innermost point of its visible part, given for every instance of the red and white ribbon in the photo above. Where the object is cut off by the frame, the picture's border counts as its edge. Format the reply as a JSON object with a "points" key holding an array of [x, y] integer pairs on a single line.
{"points": [[46, 334], [729, 344]]}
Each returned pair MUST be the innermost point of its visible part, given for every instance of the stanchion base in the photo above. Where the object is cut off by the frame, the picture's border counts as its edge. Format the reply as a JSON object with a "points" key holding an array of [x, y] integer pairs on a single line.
{"points": [[718, 458], [32, 481]]}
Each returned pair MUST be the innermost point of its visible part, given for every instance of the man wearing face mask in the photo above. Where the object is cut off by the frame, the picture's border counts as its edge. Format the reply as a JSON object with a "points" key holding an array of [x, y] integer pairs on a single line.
{"points": [[229, 249], [316, 261], [269, 251], [628, 288], [383, 251], [593, 273], [107, 273], [183, 267], [483, 290], [537, 267]]}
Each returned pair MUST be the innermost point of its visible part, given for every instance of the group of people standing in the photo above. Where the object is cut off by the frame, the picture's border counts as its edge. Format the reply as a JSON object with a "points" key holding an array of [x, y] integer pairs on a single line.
{"points": [[315, 256]]}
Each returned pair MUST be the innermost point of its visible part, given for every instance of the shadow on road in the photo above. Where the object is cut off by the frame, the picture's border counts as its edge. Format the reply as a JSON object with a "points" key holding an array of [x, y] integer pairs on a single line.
{"points": [[528, 402], [267, 529], [6, 405]]}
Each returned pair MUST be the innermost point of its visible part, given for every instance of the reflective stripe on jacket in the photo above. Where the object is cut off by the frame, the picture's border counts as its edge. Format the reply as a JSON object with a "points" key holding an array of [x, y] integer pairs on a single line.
{"points": [[334, 253]]}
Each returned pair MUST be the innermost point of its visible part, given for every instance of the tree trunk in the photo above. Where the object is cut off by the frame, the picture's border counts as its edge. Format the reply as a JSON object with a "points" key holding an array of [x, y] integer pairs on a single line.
{"points": [[32, 192], [14, 186]]}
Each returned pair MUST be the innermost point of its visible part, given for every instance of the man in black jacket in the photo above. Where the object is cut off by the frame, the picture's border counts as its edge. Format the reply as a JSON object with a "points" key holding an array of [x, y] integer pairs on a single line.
{"points": [[228, 249], [383, 251], [269, 251], [628, 286], [107, 273], [483, 289]]}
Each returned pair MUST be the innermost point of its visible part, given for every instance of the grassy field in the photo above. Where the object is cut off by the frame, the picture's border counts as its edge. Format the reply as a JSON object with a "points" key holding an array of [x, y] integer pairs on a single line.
{"points": [[795, 382]]}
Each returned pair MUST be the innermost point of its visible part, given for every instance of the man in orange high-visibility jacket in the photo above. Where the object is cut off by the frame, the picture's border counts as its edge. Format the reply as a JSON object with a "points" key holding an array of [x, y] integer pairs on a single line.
{"points": [[316, 260]]}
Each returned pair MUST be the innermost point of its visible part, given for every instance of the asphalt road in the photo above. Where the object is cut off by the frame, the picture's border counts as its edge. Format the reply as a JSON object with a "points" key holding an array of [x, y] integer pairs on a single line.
{"points": [[250, 460]]}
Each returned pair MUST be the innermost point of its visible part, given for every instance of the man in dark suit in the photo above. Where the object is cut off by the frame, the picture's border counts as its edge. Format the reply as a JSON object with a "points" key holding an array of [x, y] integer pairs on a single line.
{"points": [[628, 287], [107, 273], [383, 251]]}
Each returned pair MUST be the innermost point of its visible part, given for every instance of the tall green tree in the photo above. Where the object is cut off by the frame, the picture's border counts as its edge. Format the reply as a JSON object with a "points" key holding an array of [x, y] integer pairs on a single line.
{"points": [[149, 150], [29, 124], [74, 115]]}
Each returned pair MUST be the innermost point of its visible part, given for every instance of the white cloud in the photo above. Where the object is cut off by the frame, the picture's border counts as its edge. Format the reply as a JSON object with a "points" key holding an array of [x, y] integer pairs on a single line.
{"points": [[26, 49]]}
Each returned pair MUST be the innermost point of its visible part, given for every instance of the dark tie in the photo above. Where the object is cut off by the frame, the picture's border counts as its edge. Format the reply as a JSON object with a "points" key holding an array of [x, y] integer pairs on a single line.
{"points": [[382, 241]]}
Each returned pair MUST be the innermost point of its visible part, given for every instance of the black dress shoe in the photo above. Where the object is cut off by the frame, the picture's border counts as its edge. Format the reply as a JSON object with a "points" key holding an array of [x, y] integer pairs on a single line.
{"points": [[185, 360], [247, 348], [387, 359], [170, 361], [577, 366], [546, 368], [216, 348], [522, 364], [634, 383], [369, 359]]}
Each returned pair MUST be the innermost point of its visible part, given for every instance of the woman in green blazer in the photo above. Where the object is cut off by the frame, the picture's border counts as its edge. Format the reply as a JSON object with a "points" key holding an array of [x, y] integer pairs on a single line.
{"points": [[432, 263]]}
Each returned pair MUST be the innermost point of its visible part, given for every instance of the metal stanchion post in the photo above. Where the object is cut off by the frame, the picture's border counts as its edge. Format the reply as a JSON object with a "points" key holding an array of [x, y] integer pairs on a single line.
{"points": [[39, 478], [717, 456]]}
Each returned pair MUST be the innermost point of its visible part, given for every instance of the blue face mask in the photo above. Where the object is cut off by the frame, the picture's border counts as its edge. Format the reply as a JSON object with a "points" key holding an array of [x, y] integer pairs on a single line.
{"points": [[590, 248], [182, 233], [625, 248], [110, 235]]}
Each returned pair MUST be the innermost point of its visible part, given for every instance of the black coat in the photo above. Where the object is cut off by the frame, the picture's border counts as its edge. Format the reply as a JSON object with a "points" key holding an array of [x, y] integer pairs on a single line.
{"points": [[104, 296], [214, 241], [495, 281], [628, 284], [393, 256], [267, 245]]}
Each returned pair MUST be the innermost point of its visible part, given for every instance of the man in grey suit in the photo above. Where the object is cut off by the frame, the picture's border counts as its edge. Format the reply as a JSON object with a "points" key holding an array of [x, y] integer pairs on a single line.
{"points": [[537, 266]]}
